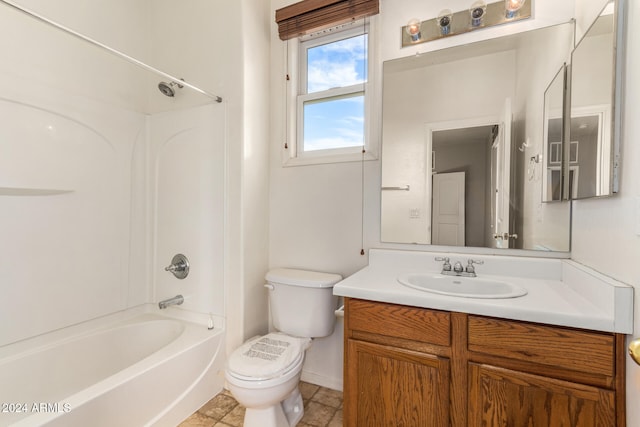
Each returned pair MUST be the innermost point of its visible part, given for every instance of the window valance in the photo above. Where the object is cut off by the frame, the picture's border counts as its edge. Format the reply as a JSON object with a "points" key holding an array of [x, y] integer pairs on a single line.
{"points": [[308, 16]]}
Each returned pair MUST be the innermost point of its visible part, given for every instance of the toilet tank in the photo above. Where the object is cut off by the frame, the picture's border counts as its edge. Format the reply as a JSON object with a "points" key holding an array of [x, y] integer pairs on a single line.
{"points": [[302, 302]]}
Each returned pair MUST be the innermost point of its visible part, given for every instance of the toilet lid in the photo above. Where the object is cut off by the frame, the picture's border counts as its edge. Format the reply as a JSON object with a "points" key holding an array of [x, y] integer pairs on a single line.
{"points": [[268, 356]]}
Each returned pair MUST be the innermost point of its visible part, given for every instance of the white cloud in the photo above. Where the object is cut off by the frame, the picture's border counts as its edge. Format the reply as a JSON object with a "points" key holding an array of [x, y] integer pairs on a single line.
{"points": [[331, 142], [336, 64], [326, 75], [341, 137], [355, 47]]}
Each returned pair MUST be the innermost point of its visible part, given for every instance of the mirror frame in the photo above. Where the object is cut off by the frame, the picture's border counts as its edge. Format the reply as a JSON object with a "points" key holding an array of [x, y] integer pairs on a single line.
{"points": [[547, 116], [615, 116]]}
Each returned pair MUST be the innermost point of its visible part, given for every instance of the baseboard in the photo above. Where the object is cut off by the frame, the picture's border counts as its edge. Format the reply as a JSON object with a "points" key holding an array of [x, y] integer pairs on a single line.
{"points": [[322, 381]]}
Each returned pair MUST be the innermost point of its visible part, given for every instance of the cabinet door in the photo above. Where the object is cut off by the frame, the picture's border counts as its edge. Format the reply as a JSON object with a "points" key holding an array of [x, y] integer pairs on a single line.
{"points": [[502, 397], [386, 386]]}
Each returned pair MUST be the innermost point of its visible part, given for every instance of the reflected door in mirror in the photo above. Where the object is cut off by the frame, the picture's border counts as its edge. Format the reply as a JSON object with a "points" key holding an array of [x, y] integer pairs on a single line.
{"points": [[448, 219]]}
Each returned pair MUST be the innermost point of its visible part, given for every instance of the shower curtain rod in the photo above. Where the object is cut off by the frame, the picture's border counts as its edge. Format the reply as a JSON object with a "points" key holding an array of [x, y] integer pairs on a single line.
{"points": [[108, 49]]}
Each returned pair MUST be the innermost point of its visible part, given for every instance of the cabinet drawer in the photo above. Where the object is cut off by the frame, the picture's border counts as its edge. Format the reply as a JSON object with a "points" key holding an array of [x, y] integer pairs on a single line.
{"points": [[418, 324], [564, 348]]}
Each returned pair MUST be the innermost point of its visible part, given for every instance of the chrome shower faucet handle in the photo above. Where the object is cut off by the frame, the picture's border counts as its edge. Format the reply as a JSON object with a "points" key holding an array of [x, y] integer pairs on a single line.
{"points": [[179, 266]]}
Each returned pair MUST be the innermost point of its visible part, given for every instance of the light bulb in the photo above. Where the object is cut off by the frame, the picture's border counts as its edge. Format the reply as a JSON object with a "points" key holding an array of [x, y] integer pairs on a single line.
{"points": [[477, 12], [413, 29], [512, 7], [444, 21]]}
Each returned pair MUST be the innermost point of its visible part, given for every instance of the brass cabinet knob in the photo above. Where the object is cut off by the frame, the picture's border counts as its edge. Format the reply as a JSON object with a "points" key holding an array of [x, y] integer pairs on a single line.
{"points": [[634, 350]]}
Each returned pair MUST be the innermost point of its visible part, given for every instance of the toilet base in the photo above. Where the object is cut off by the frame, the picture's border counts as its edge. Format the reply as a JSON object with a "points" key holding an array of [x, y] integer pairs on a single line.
{"points": [[287, 413], [293, 407]]}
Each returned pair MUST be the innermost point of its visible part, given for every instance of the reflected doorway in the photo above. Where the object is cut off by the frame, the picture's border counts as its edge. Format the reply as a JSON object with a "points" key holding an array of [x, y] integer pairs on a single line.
{"points": [[461, 185]]}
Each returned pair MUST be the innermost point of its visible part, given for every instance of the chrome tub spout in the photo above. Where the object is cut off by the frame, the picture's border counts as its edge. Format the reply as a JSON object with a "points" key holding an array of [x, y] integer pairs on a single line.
{"points": [[177, 300]]}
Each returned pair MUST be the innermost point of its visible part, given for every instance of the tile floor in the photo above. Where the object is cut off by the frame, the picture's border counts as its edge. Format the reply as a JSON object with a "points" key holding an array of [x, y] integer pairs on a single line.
{"points": [[322, 408]]}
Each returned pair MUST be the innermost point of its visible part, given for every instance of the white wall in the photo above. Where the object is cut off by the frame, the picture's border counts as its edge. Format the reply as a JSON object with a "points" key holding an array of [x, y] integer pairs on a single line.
{"points": [[255, 165], [98, 19], [606, 232]]}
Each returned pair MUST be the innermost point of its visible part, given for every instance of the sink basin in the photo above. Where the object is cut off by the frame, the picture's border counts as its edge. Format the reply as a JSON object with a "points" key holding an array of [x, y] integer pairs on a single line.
{"points": [[458, 286]]}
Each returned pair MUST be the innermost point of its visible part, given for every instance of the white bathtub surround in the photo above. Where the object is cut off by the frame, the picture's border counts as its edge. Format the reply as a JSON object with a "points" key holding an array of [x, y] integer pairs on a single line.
{"points": [[137, 367], [97, 199], [84, 150], [560, 292]]}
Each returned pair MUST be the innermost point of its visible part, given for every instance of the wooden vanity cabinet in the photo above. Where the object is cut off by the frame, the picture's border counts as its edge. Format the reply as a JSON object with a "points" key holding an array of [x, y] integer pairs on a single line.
{"points": [[397, 387], [408, 366], [397, 365]]}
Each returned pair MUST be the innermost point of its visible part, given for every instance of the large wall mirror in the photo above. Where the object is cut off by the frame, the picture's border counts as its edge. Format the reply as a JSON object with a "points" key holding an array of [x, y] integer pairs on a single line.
{"points": [[478, 138], [463, 145]]}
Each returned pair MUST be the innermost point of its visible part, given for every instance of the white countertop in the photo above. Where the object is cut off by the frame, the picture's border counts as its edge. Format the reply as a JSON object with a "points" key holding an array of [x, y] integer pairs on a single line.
{"points": [[560, 292]]}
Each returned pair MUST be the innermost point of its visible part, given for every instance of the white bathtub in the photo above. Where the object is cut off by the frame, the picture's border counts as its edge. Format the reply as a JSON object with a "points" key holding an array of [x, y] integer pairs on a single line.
{"points": [[142, 370]]}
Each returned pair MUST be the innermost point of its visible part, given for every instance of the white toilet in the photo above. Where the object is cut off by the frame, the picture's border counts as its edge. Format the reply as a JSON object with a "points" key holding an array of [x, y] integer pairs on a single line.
{"points": [[264, 372]]}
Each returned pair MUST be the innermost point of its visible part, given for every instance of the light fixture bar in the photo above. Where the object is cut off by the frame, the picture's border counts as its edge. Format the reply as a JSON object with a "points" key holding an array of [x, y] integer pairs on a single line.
{"points": [[462, 22]]}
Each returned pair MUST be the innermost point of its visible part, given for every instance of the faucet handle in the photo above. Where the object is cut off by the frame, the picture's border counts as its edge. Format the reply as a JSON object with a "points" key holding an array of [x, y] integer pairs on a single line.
{"points": [[446, 266], [470, 262], [179, 266]]}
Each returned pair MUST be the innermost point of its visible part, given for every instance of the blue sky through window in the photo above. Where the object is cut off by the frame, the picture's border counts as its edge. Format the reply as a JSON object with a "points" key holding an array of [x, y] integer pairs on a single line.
{"points": [[338, 64], [336, 122]]}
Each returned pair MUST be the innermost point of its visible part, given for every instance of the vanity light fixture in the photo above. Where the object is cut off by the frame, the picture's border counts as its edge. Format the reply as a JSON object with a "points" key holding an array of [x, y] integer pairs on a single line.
{"points": [[477, 11], [512, 7], [477, 16], [444, 21], [413, 29]]}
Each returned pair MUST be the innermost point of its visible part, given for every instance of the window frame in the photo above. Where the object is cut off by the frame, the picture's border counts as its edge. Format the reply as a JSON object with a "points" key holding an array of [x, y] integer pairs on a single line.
{"points": [[333, 94], [293, 152]]}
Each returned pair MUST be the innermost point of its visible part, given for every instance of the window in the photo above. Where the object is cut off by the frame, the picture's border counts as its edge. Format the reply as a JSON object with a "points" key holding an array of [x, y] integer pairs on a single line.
{"points": [[331, 96]]}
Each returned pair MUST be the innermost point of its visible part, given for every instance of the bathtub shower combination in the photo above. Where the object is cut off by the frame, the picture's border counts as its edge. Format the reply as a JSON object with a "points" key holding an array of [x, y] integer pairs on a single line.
{"points": [[140, 370], [108, 168]]}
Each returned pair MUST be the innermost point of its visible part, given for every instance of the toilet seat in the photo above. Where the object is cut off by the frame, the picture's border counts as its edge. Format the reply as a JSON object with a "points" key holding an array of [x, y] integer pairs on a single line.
{"points": [[266, 357]]}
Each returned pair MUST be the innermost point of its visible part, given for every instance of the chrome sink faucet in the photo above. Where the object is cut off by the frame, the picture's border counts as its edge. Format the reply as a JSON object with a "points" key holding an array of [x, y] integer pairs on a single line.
{"points": [[458, 269]]}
